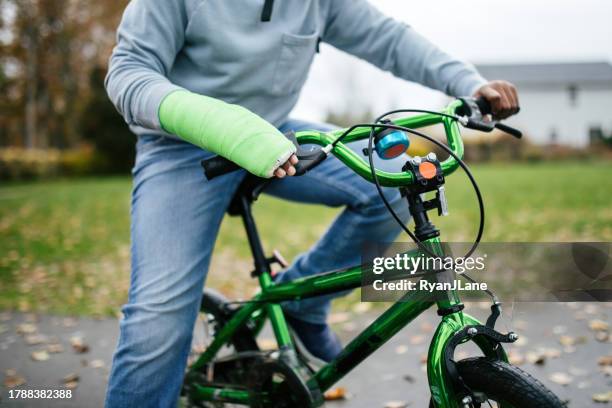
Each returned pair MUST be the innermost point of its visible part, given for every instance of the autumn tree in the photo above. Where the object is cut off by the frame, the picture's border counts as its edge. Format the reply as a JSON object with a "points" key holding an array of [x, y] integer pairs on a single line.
{"points": [[49, 48]]}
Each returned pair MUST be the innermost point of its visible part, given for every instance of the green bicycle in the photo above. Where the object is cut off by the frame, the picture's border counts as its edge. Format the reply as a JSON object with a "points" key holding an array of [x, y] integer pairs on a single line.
{"points": [[233, 370]]}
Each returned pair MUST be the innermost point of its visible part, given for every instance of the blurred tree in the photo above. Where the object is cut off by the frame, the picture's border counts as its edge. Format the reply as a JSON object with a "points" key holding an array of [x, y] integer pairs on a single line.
{"points": [[102, 125], [49, 48]]}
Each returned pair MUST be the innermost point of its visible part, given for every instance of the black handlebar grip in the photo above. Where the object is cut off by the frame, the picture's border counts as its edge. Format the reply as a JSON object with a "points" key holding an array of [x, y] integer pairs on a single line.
{"points": [[309, 161], [510, 130], [218, 166], [484, 106]]}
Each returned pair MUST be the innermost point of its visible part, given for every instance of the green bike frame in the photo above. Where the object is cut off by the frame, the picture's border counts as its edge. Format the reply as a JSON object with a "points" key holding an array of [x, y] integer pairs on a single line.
{"points": [[385, 326]]}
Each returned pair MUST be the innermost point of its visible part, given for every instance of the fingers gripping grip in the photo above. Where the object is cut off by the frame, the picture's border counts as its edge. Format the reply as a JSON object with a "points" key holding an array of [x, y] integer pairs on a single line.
{"points": [[475, 109]]}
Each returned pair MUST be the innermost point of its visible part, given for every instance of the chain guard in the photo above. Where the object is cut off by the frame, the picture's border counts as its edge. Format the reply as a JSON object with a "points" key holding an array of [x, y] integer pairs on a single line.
{"points": [[279, 386], [232, 371]]}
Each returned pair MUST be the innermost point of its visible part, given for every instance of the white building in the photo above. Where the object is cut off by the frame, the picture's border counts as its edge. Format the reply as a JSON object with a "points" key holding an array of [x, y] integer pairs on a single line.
{"points": [[560, 103]]}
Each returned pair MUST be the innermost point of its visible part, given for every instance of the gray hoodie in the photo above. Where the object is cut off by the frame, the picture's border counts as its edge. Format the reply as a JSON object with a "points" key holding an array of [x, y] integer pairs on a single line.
{"points": [[257, 53]]}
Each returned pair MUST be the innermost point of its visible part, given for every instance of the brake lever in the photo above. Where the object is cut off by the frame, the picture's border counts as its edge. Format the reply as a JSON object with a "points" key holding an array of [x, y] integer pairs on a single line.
{"points": [[307, 159], [474, 111]]}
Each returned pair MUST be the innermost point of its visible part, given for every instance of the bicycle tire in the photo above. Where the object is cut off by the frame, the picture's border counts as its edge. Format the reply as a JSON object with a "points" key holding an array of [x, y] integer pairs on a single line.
{"points": [[505, 383]]}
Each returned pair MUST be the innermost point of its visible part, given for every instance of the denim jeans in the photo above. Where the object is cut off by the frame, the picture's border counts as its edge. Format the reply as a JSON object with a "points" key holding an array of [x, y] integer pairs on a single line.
{"points": [[176, 215]]}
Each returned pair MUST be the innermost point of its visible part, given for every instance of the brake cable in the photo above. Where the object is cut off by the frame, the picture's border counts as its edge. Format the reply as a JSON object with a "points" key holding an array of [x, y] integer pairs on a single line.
{"points": [[461, 163]]}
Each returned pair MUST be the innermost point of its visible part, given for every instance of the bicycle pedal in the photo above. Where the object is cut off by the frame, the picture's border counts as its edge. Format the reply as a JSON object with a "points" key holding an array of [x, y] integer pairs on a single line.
{"points": [[277, 258]]}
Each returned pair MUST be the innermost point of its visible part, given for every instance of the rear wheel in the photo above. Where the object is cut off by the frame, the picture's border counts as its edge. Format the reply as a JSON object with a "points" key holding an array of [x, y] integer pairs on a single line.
{"points": [[214, 314], [505, 385]]}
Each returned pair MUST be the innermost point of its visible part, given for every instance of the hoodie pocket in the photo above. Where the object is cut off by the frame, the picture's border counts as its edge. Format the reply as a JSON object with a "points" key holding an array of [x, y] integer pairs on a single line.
{"points": [[296, 55]]}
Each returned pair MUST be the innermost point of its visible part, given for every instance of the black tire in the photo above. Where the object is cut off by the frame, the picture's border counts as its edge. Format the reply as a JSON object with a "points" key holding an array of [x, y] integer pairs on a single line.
{"points": [[505, 383]]}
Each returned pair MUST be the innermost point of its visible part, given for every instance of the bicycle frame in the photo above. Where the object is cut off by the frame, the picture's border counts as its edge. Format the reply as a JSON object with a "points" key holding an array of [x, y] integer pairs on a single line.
{"points": [[385, 326]]}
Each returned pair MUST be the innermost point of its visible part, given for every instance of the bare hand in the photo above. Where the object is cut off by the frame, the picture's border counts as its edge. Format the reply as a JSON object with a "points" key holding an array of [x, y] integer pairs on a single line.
{"points": [[502, 96], [287, 168]]}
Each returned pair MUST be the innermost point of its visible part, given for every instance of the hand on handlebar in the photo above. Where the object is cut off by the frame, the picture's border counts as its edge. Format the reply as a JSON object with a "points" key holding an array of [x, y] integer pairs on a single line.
{"points": [[287, 168], [502, 96]]}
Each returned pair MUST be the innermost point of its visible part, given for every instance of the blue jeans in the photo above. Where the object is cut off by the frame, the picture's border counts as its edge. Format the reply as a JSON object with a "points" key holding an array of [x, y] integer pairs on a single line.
{"points": [[176, 215]]}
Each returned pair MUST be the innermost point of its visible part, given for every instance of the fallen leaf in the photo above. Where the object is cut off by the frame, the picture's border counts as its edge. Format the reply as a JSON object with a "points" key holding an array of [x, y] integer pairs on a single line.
{"points": [[409, 378], [266, 343], [417, 339], [515, 357], [561, 378], [26, 328], [536, 358], [71, 385], [70, 378], [39, 355], [96, 363], [551, 352], [401, 349], [12, 379], [198, 348], [602, 336], [78, 345], [335, 394], [34, 339], [427, 327], [603, 397], [396, 404], [605, 361], [598, 325], [522, 341], [55, 348], [572, 341]]}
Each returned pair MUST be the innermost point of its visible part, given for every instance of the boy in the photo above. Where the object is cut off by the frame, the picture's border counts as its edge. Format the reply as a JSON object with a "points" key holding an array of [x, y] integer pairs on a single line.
{"points": [[195, 78]]}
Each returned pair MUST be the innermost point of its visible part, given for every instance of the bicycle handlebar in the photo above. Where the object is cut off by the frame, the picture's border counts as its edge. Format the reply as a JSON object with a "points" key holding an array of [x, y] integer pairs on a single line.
{"points": [[217, 166]]}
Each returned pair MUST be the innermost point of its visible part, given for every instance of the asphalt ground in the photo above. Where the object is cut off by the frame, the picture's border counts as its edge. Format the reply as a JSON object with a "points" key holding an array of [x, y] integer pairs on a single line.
{"points": [[560, 344]]}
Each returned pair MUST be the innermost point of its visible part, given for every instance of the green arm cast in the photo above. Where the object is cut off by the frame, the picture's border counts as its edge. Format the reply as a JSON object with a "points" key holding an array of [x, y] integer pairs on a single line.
{"points": [[229, 130]]}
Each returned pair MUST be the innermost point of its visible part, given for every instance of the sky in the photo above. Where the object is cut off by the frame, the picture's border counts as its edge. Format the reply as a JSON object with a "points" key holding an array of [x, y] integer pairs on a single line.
{"points": [[480, 31]]}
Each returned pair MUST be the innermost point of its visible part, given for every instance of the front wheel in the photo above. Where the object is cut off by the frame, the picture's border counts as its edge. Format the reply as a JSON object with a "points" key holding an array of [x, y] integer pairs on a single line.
{"points": [[505, 385]]}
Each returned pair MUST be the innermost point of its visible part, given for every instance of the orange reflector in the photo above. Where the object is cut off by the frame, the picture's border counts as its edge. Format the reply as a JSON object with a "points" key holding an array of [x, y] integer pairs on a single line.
{"points": [[427, 170]]}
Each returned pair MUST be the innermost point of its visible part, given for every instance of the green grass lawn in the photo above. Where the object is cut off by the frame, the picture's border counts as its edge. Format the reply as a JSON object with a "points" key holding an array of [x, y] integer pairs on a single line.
{"points": [[64, 245]]}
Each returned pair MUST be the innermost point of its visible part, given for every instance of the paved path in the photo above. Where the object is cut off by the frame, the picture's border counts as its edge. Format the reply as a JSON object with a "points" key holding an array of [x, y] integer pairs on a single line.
{"points": [[394, 373]]}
